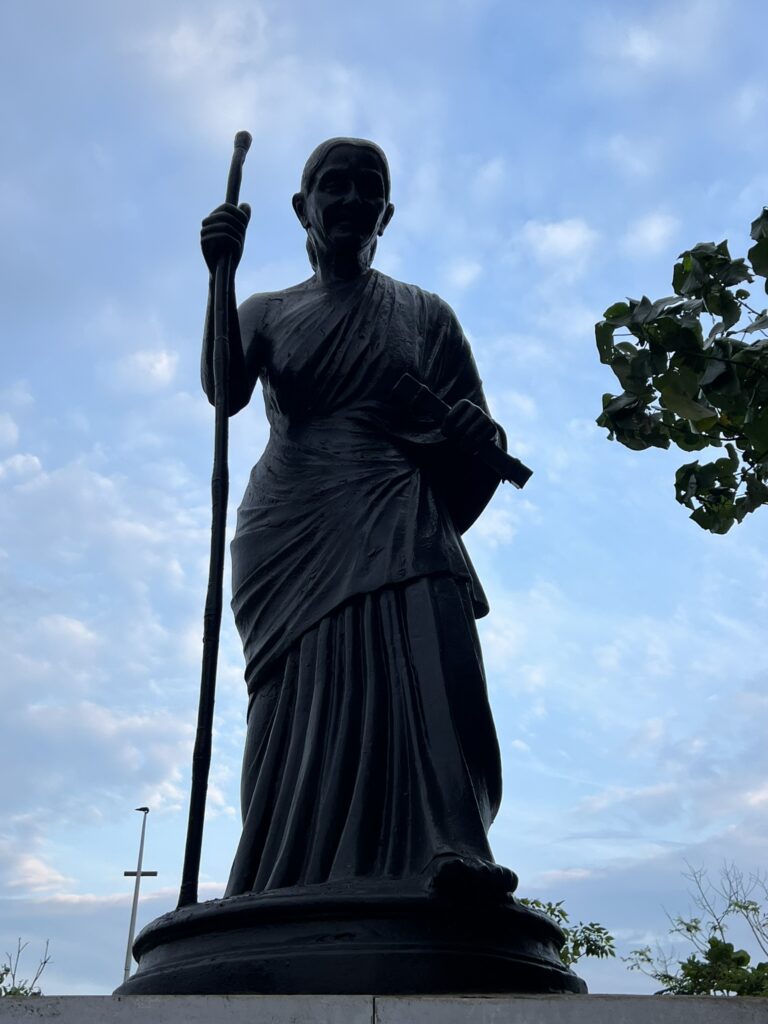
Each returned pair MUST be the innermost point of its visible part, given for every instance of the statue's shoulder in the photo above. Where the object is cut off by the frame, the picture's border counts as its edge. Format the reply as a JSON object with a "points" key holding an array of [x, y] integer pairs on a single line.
{"points": [[256, 310], [435, 306]]}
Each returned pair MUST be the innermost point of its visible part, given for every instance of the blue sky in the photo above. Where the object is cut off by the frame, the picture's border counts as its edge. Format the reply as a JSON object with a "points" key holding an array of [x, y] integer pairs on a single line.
{"points": [[547, 160]]}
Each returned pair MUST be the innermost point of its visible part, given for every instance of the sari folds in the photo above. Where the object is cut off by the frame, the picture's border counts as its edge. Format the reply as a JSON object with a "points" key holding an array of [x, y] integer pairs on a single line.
{"points": [[370, 748]]}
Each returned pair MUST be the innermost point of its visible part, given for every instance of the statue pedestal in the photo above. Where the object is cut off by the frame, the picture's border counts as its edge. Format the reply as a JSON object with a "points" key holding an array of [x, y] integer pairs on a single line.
{"points": [[339, 943]]}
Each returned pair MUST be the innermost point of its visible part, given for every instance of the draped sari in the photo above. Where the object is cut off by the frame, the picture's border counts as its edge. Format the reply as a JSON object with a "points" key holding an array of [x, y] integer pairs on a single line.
{"points": [[370, 749]]}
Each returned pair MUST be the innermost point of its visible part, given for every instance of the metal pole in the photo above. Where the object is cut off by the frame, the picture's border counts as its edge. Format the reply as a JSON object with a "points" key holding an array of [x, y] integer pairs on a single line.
{"points": [[134, 908]]}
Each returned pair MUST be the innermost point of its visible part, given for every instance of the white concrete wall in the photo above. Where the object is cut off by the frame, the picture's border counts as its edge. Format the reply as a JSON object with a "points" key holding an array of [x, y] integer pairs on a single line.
{"points": [[383, 1010]]}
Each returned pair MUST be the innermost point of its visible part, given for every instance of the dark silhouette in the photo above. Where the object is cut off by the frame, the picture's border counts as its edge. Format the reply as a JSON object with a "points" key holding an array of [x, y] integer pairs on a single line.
{"points": [[371, 771]]}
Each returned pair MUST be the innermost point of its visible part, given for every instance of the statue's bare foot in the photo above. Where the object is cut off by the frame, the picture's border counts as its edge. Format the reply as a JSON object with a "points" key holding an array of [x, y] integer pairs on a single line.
{"points": [[468, 878]]}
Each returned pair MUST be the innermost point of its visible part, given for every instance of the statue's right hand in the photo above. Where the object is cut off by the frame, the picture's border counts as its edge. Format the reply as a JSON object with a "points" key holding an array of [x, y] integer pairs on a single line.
{"points": [[223, 234]]}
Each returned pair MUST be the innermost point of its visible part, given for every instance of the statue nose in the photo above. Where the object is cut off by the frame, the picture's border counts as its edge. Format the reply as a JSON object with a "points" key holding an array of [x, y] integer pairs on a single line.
{"points": [[352, 196]]}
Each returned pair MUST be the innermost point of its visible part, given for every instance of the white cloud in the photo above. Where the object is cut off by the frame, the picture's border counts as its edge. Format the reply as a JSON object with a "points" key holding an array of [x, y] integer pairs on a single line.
{"points": [[232, 36], [20, 465], [33, 874], [496, 526], [516, 404], [641, 46], [420, 209], [463, 273], [148, 370], [651, 733], [557, 877], [67, 631], [662, 800], [751, 102], [562, 246], [757, 797], [489, 179], [651, 234], [226, 68], [644, 49], [9, 431], [635, 157], [17, 395]]}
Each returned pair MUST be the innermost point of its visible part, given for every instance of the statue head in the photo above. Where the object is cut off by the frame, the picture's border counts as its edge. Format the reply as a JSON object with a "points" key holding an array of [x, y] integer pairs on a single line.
{"points": [[344, 200]]}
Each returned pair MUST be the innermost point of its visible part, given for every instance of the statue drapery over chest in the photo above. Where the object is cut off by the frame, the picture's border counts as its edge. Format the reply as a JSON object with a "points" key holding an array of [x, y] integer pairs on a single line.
{"points": [[350, 494]]}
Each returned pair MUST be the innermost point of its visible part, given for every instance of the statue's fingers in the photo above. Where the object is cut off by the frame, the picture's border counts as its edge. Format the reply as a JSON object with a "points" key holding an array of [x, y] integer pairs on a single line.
{"points": [[236, 220], [462, 417], [221, 233]]}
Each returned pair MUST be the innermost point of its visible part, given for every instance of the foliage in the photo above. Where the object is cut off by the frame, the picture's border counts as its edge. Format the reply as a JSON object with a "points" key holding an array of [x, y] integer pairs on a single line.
{"points": [[11, 984], [694, 389], [715, 966], [581, 940]]}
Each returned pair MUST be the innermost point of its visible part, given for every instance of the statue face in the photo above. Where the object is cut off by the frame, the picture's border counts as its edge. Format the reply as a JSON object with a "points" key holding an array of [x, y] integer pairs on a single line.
{"points": [[347, 207]]}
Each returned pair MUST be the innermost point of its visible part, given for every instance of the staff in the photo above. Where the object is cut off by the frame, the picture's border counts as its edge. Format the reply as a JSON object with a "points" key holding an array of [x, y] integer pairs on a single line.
{"points": [[201, 758]]}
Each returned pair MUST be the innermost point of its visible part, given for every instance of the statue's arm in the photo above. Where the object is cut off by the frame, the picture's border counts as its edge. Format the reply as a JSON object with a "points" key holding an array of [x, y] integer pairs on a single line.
{"points": [[450, 370], [244, 351], [223, 236]]}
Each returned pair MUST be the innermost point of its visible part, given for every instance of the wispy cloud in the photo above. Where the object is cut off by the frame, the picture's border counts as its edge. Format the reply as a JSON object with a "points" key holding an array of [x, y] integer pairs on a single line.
{"points": [[19, 466], [147, 370], [9, 431], [644, 48], [651, 235], [225, 68], [463, 273], [561, 247]]}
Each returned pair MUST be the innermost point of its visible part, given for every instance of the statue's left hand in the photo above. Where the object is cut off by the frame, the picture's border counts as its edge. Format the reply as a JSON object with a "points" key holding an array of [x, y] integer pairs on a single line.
{"points": [[467, 425]]}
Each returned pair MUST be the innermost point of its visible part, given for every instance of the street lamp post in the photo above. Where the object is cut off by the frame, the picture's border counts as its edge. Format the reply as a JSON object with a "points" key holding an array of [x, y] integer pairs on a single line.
{"points": [[138, 874]]}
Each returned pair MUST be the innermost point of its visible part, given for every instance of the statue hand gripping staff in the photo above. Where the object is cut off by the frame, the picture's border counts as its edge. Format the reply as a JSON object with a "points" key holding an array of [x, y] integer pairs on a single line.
{"points": [[371, 771]]}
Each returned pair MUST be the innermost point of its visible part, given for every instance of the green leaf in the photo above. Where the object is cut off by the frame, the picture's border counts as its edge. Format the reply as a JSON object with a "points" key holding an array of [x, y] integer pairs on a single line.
{"points": [[757, 431], [715, 369], [633, 367], [604, 338], [686, 482], [757, 494], [761, 324], [674, 334], [675, 306], [613, 404], [733, 272], [618, 312], [759, 228], [715, 520], [758, 257], [679, 391], [688, 275], [730, 310]]}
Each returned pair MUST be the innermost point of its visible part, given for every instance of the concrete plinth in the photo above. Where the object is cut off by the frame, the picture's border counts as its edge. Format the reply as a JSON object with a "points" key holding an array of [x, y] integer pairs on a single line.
{"points": [[563, 1009]]}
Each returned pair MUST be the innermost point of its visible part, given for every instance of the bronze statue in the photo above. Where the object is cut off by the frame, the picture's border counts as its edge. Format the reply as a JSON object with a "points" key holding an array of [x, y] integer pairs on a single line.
{"points": [[371, 753], [371, 771]]}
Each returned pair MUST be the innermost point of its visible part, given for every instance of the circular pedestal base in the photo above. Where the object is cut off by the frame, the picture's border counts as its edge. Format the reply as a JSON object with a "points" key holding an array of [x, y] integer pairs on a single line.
{"points": [[345, 944]]}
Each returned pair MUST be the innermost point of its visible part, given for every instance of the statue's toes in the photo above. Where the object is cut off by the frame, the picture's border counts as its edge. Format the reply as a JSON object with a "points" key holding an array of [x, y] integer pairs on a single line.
{"points": [[467, 878]]}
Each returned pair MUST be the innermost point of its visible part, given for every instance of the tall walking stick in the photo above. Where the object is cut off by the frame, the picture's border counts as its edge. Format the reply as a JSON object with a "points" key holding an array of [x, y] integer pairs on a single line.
{"points": [[201, 758]]}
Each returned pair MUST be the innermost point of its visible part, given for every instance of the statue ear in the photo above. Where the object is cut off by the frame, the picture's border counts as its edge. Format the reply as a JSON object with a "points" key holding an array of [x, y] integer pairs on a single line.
{"points": [[300, 208], [388, 214]]}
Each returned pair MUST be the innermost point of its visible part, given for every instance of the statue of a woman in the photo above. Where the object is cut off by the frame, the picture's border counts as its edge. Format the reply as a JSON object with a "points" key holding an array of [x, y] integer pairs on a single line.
{"points": [[371, 757], [371, 771]]}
